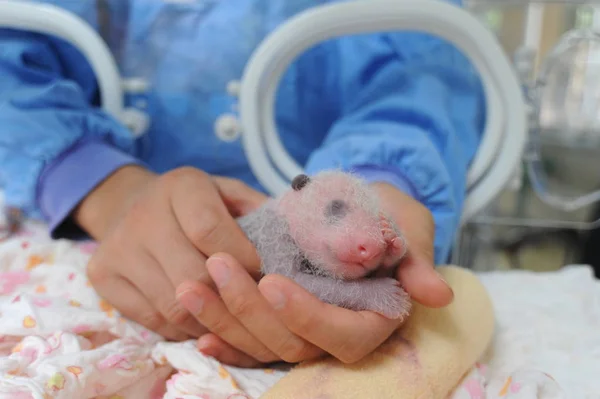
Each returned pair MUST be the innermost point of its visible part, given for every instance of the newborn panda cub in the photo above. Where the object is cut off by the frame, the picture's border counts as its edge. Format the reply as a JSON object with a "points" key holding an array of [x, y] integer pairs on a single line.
{"points": [[328, 234]]}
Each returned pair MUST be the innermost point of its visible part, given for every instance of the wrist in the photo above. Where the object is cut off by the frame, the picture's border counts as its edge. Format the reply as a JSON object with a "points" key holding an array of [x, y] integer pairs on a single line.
{"points": [[101, 209], [390, 176]]}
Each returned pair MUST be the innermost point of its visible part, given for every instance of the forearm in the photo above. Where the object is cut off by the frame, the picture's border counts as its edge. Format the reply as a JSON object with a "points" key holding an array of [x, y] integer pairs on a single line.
{"points": [[415, 124], [56, 144]]}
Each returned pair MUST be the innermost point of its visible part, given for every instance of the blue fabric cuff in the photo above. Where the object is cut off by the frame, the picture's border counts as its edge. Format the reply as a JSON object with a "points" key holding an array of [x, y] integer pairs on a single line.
{"points": [[65, 182], [377, 173]]}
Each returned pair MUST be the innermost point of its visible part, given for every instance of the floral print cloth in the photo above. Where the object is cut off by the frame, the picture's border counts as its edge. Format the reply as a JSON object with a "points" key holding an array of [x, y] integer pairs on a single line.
{"points": [[58, 339]]}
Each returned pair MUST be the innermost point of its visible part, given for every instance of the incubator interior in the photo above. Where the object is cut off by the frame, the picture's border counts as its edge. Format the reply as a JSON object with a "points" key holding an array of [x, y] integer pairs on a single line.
{"points": [[540, 223]]}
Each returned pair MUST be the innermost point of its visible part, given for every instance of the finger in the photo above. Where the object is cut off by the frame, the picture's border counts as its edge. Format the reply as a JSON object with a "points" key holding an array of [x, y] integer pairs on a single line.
{"points": [[243, 300], [207, 223], [180, 259], [423, 283], [154, 284], [412, 217], [419, 278], [239, 198], [345, 334], [213, 346], [210, 310], [416, 272], [134, 306]]}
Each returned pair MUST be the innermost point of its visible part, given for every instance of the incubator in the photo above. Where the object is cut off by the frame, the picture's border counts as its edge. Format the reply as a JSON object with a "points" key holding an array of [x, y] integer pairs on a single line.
{"points": [[551, 204], [535, 167]]}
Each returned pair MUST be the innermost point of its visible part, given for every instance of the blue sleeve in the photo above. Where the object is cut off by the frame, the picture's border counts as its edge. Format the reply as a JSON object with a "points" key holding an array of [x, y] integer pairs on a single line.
{"points": [[412, 116], [55, 143]]}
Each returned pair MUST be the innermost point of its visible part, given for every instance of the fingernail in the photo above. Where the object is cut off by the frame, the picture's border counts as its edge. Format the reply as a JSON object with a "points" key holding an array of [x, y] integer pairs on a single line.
{"points": [[219, 271], [445, 282], [207, 349], [442, 278], [273, 294], [192, 302], [201, 344]]}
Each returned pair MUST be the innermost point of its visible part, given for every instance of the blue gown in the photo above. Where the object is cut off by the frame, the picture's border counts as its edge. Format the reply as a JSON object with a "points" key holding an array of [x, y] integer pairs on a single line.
{"points": [[401, 107]]}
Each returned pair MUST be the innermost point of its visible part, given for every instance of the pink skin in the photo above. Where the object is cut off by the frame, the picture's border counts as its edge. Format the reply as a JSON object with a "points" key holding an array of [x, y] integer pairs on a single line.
{"points": [[360, 252], [99, 388], [335, 223], [361, 242], [158, 389], [88, 248]]}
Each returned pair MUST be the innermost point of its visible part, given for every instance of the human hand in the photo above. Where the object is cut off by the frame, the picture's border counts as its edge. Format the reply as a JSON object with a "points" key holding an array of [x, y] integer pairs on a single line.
{"points": [[156, 232], [287, 323], [416, 272], [276, 320]]}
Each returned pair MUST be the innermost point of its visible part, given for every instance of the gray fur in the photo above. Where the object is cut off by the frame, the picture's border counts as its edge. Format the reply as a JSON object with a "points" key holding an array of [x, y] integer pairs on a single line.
{"points": [[270, 234]]}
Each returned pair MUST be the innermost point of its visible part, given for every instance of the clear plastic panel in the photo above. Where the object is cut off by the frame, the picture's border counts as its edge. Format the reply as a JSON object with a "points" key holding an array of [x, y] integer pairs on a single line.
{"points": [[555, 46]]}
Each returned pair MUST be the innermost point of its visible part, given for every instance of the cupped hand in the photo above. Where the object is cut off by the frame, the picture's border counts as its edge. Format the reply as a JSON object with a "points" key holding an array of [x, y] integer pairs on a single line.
{"points": [[155, 232], [416, 272], [276, 320]]}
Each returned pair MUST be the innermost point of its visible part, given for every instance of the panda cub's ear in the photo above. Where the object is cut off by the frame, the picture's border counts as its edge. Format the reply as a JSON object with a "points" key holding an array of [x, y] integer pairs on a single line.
{"points": [[300, 181]]}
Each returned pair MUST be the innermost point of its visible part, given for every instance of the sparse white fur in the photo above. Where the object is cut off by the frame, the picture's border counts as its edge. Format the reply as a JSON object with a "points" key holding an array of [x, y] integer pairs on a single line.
{"points": [[282, 248]]}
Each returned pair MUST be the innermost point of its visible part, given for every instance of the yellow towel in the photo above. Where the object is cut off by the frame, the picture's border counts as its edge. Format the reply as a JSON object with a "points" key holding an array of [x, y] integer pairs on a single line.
{"points": [[425, 359]]}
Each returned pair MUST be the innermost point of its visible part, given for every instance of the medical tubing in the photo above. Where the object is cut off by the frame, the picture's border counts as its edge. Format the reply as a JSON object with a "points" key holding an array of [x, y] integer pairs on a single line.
{"points": [[533, 158], [538, 177]]}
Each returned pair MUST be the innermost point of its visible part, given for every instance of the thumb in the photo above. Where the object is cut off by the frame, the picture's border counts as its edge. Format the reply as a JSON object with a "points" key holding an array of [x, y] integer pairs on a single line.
{"points": [[416, 272], [205, 220], [239, 198], [423, 283]]}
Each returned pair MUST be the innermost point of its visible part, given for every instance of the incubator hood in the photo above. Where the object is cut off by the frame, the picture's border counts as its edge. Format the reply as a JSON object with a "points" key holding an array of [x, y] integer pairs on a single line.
{"points": [[556, 52], [542, 219], [542, 88], [546, 99], [531, 100], [496, 160]]}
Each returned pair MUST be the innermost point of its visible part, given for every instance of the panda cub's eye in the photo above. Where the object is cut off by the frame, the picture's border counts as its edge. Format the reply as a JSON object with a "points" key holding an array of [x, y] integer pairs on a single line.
{"points": [[336, 210]]}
